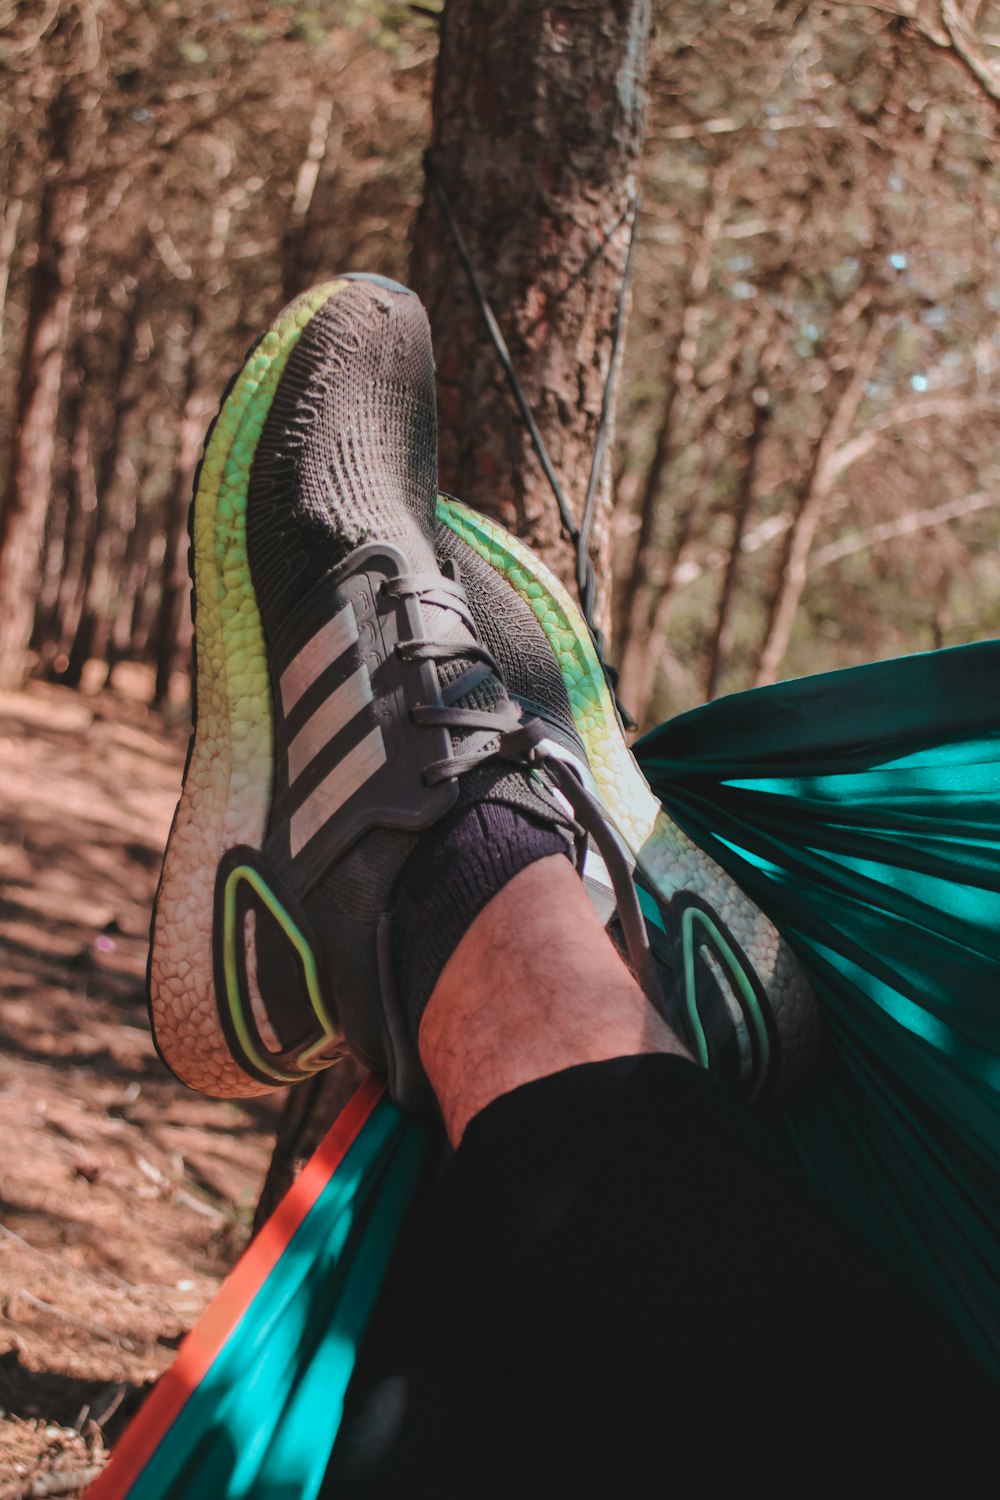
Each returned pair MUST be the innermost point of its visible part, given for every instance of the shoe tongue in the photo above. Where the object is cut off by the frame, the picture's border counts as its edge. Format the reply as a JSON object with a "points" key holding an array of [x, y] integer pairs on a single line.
{"points": [[511, 632]]}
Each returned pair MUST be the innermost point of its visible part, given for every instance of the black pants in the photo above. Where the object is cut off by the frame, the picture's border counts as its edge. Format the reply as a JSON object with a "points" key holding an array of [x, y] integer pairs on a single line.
{"points": [[617, 1286]]}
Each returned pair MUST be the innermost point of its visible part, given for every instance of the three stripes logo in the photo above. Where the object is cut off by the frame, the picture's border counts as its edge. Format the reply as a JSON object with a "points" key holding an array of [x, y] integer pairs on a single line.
{"points": [[334, 730], [263, 943], [338, 709]]}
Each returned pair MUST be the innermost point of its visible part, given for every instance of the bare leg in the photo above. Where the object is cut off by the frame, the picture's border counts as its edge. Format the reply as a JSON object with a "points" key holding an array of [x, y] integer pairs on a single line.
{"points": [[534, 986]]}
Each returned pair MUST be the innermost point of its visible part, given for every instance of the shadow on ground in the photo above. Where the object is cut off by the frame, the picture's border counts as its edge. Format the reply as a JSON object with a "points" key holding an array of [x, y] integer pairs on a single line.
{"points": [[123, 1197]]}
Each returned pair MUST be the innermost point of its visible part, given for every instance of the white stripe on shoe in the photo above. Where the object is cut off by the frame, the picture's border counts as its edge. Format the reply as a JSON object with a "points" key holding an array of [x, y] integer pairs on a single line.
{"points": [[343, 704], [325, 647], [347, 776]]}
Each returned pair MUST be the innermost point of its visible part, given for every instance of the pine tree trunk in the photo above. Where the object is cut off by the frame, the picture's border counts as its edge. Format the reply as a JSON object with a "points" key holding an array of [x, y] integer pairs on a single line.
{"points": [[60, 234], [10, 222], [538, 121], [54, 592], [791, 579], [539, 114], [170, 633], [107, 540], [81, 521], [638, 603]]}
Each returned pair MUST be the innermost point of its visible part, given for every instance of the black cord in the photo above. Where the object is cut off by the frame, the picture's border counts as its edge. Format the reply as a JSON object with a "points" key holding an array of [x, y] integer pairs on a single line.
{"points": [[586, 581]]}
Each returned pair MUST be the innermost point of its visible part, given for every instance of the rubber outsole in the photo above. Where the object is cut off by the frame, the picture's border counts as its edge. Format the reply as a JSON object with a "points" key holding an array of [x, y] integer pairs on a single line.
{"points": [[225, 797]]}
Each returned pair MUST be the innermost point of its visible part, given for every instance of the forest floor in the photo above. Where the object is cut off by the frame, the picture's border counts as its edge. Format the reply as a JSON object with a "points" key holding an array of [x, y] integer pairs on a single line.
{"points": [[124, 1198]]}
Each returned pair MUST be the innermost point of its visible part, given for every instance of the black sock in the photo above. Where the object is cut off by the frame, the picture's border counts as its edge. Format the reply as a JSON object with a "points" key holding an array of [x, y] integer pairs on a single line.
{"points": [[457, 868]]}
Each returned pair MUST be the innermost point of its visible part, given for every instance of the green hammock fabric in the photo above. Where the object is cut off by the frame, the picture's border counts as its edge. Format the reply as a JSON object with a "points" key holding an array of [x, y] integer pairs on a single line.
{"points": [[861, 810]]}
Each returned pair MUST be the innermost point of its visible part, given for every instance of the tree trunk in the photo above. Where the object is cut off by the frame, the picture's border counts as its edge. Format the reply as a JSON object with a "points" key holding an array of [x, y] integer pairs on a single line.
{"points": [[539, 115], [76, 630], [106, 542], [10, 222], [61, 230], [799, 538], [175, 581], [538, 122], [121, 642], [60, 528], [722, 635], [173, 629], [81, 519], [297, 265], [638, 598]]}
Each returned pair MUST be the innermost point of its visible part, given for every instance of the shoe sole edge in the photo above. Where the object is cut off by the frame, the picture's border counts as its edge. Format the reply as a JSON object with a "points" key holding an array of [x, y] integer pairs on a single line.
{"points": [[225, 796]]}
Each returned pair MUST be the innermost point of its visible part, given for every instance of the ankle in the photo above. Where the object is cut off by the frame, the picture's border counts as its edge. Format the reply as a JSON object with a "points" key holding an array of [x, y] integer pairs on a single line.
{"points": [[455, 871], [533, 987]]}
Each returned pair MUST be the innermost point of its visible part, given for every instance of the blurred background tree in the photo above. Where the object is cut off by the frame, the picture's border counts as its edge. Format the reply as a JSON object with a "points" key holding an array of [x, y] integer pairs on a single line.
{"points": [[808, 477], [805, 475]]}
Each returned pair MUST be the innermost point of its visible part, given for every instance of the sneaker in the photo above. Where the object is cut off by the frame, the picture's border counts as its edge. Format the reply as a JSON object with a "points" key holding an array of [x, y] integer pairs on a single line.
{"points": [[344, 705], [733, 988]]}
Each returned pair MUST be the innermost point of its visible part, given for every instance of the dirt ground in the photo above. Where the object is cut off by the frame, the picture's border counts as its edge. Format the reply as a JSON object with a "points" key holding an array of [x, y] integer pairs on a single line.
{"points": [[124, 1198]]}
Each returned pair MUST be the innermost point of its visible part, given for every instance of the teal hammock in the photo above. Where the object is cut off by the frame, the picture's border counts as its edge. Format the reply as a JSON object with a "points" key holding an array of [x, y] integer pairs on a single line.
{"points": [[861, 810], [252, 1403]]}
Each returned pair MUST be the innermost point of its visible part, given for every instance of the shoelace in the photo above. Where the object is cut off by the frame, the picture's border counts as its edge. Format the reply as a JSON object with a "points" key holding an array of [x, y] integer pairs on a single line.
{"points": [[499, 734], [482, 727]]}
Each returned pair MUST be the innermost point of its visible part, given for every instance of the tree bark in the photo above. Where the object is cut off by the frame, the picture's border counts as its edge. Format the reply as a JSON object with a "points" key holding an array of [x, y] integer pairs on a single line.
{"points": [[61, 526], [722, 636], [83, 509], [539, 115], [173, 628], [9, 224], [61, 231], [106, 542], [176, 583], [297, 266]]}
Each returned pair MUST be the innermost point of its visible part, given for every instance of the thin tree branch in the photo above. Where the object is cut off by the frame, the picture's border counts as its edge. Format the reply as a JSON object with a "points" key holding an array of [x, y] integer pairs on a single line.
{"points": [[722, 635], [908, 525], [727, 124], [792, 578], [962, 46], [952, 37], [917, 409]]}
